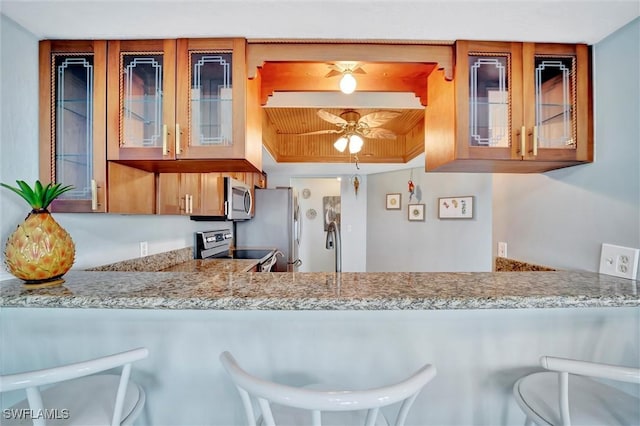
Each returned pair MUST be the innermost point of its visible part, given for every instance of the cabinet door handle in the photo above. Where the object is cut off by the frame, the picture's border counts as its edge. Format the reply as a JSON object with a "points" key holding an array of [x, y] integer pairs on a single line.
{"points": [[523, 140], [178, 147], [94, 195], [190, 198], [535, 141], [165, 133]]}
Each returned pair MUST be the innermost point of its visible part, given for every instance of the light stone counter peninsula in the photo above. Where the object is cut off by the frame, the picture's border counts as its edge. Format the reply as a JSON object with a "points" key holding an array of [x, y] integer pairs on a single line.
{"points": [[482, 331], [199, 284]]}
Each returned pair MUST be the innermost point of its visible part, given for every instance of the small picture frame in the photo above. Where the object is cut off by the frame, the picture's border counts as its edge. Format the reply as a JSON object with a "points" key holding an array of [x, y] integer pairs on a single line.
{"points": [[416, 212], [393, 201], [455, 207]]}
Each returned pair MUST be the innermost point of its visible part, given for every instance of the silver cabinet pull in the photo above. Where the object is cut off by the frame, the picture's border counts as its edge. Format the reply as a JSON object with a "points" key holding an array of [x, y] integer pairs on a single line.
{"points": [[94, 195], [165, 134], [178, 147]]}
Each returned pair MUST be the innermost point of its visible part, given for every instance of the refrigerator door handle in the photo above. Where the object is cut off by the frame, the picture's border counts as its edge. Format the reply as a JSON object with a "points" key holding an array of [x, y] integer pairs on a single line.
{"points": [[298, 225]]}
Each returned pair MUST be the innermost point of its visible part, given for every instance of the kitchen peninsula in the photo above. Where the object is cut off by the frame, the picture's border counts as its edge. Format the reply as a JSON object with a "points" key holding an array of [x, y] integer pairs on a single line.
{"points": [[481, 330]]}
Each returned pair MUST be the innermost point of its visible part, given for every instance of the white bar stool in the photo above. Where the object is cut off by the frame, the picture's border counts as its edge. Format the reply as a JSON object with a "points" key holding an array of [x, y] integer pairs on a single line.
{"points": [[566, 395], [321, 405], [78, 395]]}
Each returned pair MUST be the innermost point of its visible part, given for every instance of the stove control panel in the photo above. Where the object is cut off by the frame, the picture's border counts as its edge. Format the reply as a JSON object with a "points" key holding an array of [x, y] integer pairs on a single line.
{"points": [[211, 243]]}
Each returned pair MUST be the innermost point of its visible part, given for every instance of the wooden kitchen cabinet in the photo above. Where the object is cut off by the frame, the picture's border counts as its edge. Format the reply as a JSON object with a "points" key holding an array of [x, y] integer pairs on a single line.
{"points": [[191, 194], [183, 99], [141, 99], [72, 122], [130, 190], [512, 107]]}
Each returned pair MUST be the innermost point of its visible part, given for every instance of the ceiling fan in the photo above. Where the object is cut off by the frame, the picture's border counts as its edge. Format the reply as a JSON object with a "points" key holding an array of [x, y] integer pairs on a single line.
{"points": [[352, 127]]}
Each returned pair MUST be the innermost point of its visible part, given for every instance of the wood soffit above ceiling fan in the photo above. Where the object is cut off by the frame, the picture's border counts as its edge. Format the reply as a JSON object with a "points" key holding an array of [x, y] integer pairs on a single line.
{"points": [[285, 124], [317, 77]]}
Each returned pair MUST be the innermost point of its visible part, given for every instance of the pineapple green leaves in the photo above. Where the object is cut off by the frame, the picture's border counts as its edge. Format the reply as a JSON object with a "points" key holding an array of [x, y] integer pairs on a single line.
{"points": [[39, 197]]}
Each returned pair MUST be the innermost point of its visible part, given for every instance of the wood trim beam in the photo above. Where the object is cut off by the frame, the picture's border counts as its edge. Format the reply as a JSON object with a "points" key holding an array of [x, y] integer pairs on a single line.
{"points": [[258, 54]]}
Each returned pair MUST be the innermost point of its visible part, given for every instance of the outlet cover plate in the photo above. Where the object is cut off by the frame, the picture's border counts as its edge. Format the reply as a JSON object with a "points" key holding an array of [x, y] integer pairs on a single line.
{"points": [[502, 249], [144, 249], [619, 261]]}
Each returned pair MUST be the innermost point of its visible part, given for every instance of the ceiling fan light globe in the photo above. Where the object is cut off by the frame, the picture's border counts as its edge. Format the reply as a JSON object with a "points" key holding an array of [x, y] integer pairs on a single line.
{"points": [[348, 83], [341, 143], [355, 144]]}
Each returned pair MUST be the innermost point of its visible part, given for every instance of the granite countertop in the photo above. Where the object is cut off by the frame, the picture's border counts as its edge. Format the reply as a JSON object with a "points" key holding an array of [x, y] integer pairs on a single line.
{"points": [[325, 291]]}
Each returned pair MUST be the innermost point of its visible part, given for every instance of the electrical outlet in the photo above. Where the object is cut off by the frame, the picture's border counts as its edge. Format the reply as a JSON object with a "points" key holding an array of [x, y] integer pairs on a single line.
{"points": [[502, 249], [619, 261], [144, 248]]}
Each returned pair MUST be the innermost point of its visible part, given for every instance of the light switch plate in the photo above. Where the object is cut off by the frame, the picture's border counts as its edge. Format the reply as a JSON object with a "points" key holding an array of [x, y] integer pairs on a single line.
{"points": [[619, 261]]}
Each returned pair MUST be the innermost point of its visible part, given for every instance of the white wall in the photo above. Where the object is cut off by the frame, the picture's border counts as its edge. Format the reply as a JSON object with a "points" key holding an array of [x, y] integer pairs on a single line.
{"points": [[99, 238], [395, 244], [561, 218], [315, 257]]}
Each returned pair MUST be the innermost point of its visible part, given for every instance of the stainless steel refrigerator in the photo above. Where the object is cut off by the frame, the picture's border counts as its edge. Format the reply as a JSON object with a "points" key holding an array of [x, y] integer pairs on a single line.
{"points": [[276, 223]]}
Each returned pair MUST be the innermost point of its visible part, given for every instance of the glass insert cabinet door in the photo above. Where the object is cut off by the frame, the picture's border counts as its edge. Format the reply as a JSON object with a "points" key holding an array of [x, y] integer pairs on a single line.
{"points": [[488, 87], [72, 108], [554, 86], [142, 124], [489, 101], [210, 109], [210, 91], [558, 102], [141, 88]]}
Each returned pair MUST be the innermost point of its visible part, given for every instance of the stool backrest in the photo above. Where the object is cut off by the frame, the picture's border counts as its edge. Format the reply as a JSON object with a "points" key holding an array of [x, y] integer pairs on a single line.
{"points": [[33, 380], [316, 401], [566, 366]]}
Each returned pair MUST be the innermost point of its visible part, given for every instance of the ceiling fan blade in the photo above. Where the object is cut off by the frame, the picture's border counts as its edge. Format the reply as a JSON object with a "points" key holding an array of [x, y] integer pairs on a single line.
{"points": [[333, 73], [379, 133], [359, 70], [331, 118], [378, 118], [319, 132]]}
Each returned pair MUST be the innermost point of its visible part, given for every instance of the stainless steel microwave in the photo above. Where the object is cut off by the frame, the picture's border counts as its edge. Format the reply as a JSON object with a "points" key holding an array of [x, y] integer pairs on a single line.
{"points": [[238, 200]]}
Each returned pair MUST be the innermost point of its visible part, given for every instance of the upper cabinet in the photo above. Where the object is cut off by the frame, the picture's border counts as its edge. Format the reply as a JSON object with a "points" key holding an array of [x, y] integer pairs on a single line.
{"points": [[519, 107], [184, 99], [141, 110], [72, 122]]}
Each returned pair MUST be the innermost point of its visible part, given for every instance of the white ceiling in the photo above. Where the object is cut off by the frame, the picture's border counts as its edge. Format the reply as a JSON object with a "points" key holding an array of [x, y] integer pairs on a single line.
{"points": [[570, 21], [575, 21]]}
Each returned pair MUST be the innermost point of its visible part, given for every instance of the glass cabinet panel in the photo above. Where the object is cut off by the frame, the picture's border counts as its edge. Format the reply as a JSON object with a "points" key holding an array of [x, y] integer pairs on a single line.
{"points": [[142, 95], [210, 109], [555, 120], [73, 92], [489, 101]]}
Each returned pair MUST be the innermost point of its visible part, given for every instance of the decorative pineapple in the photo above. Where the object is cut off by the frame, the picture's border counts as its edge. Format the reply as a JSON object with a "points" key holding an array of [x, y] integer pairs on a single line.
{"points": [[39, 250]]}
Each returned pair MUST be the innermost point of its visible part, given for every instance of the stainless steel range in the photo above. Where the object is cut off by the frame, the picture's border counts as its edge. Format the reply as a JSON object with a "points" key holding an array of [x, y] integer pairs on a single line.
{"points": [[216, 244]]}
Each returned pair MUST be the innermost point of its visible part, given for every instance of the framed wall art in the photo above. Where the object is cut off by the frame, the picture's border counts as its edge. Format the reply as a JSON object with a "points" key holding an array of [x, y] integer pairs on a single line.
{"points": [[455, 207], [331, 210], [393, 201], [416, 212]]}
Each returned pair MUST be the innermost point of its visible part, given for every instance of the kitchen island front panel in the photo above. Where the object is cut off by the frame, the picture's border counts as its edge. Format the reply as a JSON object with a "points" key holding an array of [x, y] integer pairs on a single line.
{"points": [[326, 291], [479, 353]]}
